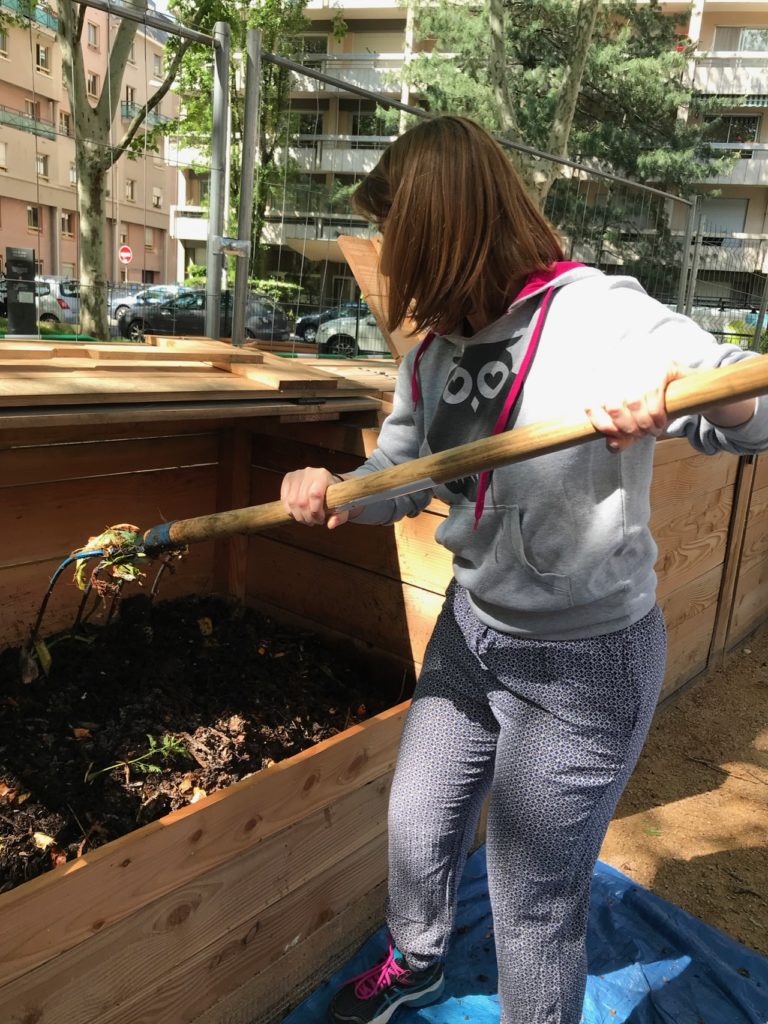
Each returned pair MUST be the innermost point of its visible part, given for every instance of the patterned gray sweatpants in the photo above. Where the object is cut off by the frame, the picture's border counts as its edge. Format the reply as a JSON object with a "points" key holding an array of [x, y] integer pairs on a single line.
{"points": [[553, 730]]}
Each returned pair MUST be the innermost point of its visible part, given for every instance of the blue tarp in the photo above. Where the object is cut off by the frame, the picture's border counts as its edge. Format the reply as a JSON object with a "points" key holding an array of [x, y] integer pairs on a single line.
{"points": [[649, 963]]}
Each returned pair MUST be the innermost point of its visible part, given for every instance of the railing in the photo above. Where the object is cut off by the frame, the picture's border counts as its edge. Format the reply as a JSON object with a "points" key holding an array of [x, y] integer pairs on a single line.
{"points": [[129, 110], [733, 74], [40, 13], [365, 70], [27, 123]]}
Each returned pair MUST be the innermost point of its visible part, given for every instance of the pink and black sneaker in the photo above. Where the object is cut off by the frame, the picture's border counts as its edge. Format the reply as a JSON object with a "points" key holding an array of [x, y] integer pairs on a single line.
{"points": [[373, 996]]}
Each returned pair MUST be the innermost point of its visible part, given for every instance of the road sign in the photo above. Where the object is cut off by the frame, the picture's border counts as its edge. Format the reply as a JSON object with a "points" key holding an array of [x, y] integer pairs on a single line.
{"points": [[125, 254]]}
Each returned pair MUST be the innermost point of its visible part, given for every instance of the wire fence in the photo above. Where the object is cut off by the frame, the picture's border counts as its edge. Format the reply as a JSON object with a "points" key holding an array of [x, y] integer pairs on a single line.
{"points": [[339, 113]]}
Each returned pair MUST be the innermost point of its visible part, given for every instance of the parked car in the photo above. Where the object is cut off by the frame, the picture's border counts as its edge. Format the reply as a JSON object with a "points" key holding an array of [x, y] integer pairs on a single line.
{"points": [[121, 301], [185, 315], [307, 325], [351, 336], [57, 299]]}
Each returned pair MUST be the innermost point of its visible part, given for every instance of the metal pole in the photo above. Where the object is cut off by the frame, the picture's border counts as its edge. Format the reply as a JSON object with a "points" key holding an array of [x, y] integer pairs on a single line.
{"points": [[761, 317], [250, 154], [219, 157], [696, 258], [682, 289]]}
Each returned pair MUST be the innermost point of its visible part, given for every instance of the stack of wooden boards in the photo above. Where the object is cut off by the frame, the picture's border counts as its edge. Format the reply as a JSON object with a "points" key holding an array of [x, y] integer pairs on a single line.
{"points": [[163, 374]]}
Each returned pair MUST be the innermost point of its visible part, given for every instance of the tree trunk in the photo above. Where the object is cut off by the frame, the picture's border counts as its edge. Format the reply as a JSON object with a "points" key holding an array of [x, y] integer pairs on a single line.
{"points": [[560, 132], [91, 201]]}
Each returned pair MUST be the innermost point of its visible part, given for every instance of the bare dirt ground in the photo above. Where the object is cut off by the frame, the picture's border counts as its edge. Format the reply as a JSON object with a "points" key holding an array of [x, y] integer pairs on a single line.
{"points": [[692, 825]]}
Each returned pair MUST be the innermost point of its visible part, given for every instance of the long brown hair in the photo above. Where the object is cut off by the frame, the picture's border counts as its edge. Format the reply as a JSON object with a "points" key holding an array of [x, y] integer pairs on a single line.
{"points": [[459, 228]]}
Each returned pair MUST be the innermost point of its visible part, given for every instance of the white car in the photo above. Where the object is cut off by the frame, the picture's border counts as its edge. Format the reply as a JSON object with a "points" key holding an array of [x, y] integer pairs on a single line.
{"points": [[351, 336]]}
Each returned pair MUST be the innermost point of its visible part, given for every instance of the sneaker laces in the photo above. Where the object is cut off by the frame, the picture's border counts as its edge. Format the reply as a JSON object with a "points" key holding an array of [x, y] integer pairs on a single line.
{"points": [[379, 977]]}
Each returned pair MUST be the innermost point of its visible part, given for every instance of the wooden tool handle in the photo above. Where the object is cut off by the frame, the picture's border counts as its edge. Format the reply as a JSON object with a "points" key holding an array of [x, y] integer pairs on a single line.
{"points": [[745, 379]]}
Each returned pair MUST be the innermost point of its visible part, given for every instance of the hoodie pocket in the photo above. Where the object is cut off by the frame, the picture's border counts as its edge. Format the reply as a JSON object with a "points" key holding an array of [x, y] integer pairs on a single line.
{"points": [[493, 564]]}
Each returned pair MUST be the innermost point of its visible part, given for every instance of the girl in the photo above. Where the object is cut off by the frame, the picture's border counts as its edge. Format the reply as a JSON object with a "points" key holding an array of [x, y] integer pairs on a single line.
{"points": [[543, 671]]}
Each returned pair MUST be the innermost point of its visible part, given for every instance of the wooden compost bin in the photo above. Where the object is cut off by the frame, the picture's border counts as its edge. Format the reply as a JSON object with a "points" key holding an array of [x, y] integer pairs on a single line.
{"points": [[230, 910]]}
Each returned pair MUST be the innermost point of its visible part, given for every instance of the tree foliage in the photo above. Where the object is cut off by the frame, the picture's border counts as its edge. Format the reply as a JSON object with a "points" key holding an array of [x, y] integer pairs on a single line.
{"points": [[632, 88]]}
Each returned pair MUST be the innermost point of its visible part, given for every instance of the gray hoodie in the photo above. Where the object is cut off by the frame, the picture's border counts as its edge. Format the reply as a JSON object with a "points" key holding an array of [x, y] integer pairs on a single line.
{"points": [[562, 549]]}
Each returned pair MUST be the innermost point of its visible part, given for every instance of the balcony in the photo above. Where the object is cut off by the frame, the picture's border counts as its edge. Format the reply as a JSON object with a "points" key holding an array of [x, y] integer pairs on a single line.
{"points": [[26, 123], [41, 13], [129, 110], [338, 154], [373, 71], [733, 74], [735, 253], [189, 223], [750, 169]]}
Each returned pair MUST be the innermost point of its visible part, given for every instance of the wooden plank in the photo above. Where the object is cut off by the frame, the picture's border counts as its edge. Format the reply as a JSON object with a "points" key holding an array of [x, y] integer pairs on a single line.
{"points": [[750, 607], [688, 649], [733, 556], [248, 949], [761, 472], [103, 887], [14, 422], [233, 491], [693, 476], [267, 997], [687, 602], [50, 520], [205, 348], [283, 448], [96, 366], [37, 464], [158, 940], [287, 375], [362, 255], [405, 552], [25, 350], [384, 613], [692, 538]]}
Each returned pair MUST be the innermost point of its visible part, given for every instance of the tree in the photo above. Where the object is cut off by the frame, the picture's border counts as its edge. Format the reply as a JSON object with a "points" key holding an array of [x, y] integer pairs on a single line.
{"points": [[583, 80], [280, 21], [94, 150]]}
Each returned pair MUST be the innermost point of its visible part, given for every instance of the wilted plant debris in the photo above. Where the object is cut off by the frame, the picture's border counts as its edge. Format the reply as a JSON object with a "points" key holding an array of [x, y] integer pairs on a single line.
{"points": [[165, 705]]}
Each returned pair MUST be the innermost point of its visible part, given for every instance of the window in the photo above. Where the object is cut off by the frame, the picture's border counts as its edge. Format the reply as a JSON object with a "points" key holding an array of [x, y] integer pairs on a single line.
{"points": [[741, 39], [313, 45], [32, 109], [68, 269], [3, 43], [132, 54], [73, 174], [92, 84], [93, 35], [157, 65], [130, 95], [149, 238], [123, 234], [735, 128], [42, 165], [43, 58], [157, 198], [724, 216], [33, 218], [130, 190], [67, 223], [65, 122], [3, 156]]}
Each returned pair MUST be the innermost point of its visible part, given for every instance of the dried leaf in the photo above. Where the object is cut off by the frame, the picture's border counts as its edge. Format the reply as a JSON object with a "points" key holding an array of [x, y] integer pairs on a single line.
{"points": [[362, 711], [6, 793], [262, 651], [21, 798], [185, 784], [205, 626], [197, 794], [58, 856], [42, 841], [82, 734]]}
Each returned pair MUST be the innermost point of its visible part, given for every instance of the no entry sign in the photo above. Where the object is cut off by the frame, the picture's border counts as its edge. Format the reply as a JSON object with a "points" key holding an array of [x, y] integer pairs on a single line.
{"points": [[125, 254]]}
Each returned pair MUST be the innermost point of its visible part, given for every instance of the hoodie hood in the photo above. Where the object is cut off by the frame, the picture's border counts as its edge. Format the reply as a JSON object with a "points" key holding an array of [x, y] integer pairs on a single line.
{"points": [[537, 284]]}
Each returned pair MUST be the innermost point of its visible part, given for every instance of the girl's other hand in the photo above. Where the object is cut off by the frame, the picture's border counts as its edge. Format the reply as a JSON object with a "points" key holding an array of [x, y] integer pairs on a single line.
{"points": [[303, 496], [639, 413]]}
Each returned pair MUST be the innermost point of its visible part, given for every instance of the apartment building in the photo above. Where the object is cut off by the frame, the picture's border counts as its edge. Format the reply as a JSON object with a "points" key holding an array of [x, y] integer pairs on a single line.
{"points": [[38, 172]]}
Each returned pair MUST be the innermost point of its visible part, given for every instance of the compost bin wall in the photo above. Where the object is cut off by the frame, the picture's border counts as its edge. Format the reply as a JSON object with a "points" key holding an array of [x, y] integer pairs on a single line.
{"points": [[230, 909]]}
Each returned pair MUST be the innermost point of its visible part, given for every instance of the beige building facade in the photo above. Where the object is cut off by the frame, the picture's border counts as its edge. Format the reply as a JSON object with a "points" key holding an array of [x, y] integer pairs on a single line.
{"points": [[38, 172]]}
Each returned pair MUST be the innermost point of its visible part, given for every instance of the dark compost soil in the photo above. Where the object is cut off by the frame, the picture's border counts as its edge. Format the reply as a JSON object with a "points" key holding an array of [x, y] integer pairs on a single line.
{"points": [[204, 691]]}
